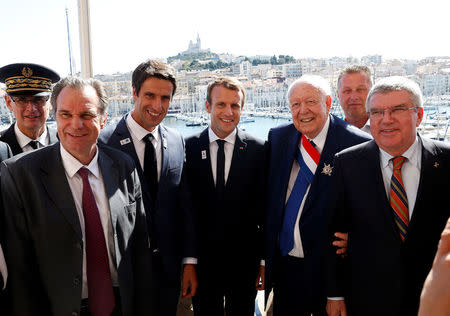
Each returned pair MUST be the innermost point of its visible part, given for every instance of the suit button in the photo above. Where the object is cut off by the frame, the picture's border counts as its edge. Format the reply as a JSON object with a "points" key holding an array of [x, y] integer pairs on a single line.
{"points": [[76, 281]]}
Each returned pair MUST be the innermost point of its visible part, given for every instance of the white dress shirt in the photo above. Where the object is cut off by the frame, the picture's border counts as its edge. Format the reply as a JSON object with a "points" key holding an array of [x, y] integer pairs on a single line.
{"points": [[410, 172], [228, 149], [138, 134], [23, 139], [319, 140], [71, 166]]}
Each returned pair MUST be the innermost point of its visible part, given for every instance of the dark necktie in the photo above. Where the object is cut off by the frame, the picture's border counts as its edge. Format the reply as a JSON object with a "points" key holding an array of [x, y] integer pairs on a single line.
{"points": [[220, 169], [33, 144], [398, 198], [150, 166], [100, 290]]}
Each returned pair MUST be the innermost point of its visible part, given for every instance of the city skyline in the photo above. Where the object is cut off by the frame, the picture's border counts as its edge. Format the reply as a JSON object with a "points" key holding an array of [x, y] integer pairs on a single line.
{"points": [[126, 33]]}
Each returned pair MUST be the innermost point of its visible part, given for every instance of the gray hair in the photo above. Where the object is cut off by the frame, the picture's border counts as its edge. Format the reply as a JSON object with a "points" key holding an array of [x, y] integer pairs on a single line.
{"points": [[397, 83], [355, 69], [78, 83], [316, 81]]}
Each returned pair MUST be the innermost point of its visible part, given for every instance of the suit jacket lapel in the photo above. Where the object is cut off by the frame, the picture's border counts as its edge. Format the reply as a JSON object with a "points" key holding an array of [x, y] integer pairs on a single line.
{"points": [[205, 164], [123, 137], [372, 158], [429, 170], [55, 183], [164, 152], [111, 181], [288, 154], [10, 138], [239, 150], [320, 179]]}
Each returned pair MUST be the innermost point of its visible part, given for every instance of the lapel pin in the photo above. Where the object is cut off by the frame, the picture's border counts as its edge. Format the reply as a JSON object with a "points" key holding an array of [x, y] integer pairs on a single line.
{"points": [[203, 154], [436, 164], [125, 141], [241, 148], [327, 169]]}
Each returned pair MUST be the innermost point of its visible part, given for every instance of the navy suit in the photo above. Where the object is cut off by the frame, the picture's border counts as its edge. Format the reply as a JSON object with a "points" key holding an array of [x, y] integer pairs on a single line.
{"points": [[283, 143], [229, 229], [169, 222], [9, 136], [385, 276]]}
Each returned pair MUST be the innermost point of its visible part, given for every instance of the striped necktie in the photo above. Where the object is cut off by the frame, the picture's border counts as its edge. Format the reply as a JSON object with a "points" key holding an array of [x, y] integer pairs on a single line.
{"points": [[304, 178], [398, 198]]}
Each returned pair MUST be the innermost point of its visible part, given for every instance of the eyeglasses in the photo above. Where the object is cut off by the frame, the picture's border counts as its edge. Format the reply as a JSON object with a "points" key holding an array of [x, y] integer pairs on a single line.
{"points": [[23, 102], [394, 112]]}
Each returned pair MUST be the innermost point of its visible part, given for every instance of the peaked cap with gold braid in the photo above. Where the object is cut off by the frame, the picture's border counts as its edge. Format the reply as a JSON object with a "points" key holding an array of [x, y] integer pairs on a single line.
{"points": [[28, 79]]}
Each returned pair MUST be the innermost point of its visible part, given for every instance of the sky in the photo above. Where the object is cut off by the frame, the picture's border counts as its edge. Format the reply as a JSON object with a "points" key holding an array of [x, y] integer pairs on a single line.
{"points": [[127, 32]]}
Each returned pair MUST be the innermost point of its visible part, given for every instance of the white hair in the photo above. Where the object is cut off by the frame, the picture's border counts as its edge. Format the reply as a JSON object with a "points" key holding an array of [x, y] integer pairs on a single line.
{"points": [[314, 80]]}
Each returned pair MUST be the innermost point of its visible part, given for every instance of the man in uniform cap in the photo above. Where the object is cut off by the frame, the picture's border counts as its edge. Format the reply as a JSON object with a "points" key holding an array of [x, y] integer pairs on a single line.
{"points": [[28, 87]]}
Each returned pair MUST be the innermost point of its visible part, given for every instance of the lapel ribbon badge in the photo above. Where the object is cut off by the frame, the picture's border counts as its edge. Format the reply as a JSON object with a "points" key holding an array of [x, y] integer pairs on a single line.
{"points": [[327, 169], [125, 141], [203, 154]]}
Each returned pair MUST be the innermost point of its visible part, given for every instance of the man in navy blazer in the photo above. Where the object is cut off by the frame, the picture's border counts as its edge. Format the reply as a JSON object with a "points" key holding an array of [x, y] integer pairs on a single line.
{"points": [[225, 170], [392, 199], [169, 221], [29, 103], [294, 262]]}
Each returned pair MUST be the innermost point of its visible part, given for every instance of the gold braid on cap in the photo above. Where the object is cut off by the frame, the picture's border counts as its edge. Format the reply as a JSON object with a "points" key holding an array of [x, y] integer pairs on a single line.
{"points": [[20, 83]]}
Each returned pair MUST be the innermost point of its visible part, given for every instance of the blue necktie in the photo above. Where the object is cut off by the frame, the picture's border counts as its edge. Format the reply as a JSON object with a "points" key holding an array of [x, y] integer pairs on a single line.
{"points": [[304, 178]]}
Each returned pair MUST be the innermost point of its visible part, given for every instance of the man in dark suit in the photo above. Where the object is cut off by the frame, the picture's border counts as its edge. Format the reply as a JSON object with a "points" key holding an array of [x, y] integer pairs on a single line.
{"points": [[299, 184], [5, 153], [28, 87], [158, 152], [76, 238], [390, 197], [225, 173]]}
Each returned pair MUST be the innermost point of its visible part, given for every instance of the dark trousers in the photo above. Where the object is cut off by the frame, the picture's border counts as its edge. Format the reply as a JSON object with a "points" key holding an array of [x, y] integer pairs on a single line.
{"points": [[220, 291], [165, 289], [84, 311], [292, 290]]}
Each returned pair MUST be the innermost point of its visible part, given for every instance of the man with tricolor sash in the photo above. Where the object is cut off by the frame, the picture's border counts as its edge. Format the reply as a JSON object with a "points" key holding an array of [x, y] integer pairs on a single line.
{"points": [[299, 185], [391, 196]]}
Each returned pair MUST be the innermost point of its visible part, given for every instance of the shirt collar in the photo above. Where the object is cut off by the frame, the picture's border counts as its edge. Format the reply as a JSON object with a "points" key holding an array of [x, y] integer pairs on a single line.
{"points": [[412, 154], [23, 139], [320, 139], [139, 131], [72, 165], [229, 139]]}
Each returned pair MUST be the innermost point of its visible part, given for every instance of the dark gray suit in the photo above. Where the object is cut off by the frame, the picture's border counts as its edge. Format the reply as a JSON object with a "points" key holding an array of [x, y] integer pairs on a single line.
{"points": [[44, 238], [9, 136], [385, 275]]}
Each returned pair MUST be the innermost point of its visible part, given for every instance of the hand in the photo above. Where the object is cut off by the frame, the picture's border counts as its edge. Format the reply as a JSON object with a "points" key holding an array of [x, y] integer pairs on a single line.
{"points": [[341, 244], [189, 282], [336, 308], [435, 298], [261, 276]]}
